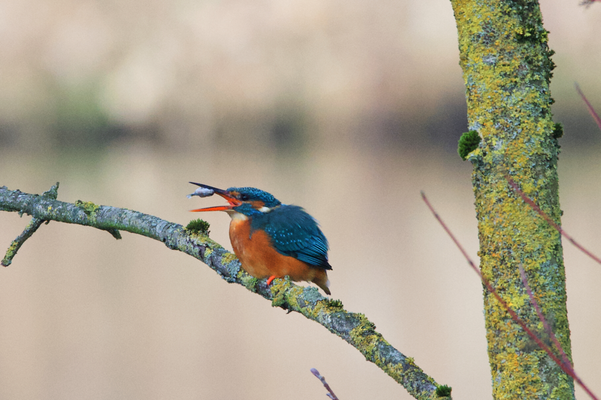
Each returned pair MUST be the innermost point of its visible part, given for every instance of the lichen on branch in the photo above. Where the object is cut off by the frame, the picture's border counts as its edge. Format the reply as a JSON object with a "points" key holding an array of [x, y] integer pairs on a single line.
{"points": [[507, 68], [354, 328]]}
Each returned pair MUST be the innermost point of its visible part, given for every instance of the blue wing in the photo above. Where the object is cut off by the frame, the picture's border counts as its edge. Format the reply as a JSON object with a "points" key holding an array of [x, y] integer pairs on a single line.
{"points": [[296, 234]]}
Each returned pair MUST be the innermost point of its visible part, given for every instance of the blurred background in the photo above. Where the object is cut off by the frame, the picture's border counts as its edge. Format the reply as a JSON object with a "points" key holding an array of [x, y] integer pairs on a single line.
{"points": [[348, 108]]}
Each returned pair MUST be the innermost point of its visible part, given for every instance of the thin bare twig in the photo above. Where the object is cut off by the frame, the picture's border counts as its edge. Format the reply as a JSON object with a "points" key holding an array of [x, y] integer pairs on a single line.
{"points": [[570, 371], [539, 312], [536, 208], [330, 393], [587, 3], [591, 110]]}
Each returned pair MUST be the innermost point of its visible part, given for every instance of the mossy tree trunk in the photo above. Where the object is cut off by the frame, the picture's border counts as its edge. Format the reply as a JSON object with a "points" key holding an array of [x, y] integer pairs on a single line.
{"points": [[507, 67]]}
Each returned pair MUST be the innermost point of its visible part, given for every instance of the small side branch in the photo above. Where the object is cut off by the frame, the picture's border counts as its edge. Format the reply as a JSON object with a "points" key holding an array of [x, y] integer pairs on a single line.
{"points": [[30, 229], [16, 244], [354, 328], [330, 394]]}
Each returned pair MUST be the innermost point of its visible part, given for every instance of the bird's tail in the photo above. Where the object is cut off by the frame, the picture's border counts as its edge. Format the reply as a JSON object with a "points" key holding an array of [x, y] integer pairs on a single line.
{"points": [[321, 280]]}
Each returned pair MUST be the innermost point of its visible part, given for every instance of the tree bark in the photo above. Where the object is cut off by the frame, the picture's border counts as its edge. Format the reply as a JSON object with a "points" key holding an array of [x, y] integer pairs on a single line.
{"points": [[354, 328], [507, 68]]}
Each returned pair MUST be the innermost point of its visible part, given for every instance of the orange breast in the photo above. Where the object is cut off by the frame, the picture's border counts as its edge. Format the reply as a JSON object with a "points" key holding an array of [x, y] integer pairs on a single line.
{"points": [[260, 259]]}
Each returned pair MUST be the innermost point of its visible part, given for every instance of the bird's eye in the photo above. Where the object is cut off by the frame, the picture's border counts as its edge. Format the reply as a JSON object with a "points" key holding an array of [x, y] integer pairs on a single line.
{"points": [[243, 197]]}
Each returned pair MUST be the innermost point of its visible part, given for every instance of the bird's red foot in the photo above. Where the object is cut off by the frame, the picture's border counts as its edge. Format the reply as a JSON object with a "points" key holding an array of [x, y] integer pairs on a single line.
{"points": [[271, 278]]}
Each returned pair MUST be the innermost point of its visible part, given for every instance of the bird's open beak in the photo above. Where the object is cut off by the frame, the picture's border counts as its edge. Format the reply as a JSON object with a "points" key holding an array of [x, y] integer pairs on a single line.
{"points": [[206, 191]]}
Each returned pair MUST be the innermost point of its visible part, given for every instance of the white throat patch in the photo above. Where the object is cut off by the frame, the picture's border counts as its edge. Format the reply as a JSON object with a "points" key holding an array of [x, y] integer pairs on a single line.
{"points": [[236, 216]]}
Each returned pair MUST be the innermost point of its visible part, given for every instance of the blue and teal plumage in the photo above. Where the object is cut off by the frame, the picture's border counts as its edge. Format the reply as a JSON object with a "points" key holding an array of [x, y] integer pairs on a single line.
{"points": [[254, 194], [292, 230], [271, 239], [296, 234]]}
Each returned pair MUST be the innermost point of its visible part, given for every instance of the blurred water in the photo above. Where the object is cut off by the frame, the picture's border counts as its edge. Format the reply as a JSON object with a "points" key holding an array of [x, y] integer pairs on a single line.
{"points": [[346, 108], [85, 316]]}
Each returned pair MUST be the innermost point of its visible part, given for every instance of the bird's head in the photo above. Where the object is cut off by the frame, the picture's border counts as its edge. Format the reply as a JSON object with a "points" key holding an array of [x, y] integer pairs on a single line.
{"points": [[248, 201]]}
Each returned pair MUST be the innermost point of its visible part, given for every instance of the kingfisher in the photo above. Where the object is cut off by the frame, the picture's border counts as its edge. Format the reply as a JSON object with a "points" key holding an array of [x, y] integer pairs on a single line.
{"points": [[272, 239]]}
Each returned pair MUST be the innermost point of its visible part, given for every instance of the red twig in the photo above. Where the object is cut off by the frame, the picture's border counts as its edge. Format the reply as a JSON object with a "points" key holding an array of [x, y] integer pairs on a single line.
{"points": [[566, 360], [548, 219], [568, 370], [591, 110], [589, 2], [330, 393]]}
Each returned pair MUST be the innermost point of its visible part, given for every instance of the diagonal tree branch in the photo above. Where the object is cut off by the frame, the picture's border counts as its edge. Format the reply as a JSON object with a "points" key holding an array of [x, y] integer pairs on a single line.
{"points": [[354, 328]]}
